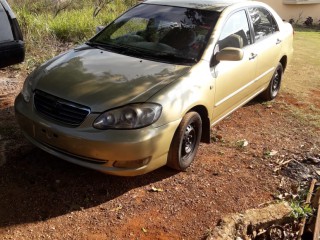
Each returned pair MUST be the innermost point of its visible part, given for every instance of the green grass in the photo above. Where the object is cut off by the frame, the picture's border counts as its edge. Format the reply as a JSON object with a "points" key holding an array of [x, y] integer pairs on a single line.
{"points": [[301, 28], [302, 78], [303, 72], [46, 32], [76, 25]]}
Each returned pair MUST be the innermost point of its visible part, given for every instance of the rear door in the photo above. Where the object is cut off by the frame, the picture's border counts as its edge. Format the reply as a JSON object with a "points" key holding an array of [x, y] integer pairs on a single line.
{"points": [[267, 42], [11, 41]]}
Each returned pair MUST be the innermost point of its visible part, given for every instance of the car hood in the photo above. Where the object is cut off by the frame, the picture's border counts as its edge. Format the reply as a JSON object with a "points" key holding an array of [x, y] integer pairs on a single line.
{"points": [[102, 80]]}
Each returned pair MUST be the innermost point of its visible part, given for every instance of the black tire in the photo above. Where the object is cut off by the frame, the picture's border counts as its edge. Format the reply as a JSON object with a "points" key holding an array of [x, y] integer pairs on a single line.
{"points": [[185, 142], [274, 86]]}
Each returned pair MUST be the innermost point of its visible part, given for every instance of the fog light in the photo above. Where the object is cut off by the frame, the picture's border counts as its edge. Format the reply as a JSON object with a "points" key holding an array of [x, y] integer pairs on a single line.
{"points": [[132, 164]]}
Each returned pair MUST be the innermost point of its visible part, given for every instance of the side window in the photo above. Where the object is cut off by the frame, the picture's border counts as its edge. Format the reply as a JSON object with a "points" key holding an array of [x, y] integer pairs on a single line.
{"points": [[263, 22], [235, 32], [5, 27]]}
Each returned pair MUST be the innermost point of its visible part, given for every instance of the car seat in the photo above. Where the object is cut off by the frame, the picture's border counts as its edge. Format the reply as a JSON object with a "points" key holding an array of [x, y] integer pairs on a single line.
{"points": [[179, 38]]}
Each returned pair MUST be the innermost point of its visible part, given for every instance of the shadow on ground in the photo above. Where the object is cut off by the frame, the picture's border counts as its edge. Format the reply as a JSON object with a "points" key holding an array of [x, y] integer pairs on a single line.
{"points": [[39, 186]]}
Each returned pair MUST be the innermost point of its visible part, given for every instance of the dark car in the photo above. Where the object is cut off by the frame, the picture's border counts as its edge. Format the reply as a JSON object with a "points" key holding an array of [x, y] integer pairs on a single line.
{"points": [[12, 49]]}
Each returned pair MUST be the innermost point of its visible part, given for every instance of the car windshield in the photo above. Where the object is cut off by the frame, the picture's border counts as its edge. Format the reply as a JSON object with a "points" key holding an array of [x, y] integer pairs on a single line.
{"points": [[161, 33]]}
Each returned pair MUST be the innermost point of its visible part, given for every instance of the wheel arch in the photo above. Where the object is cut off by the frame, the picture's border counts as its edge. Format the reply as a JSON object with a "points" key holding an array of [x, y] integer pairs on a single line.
{"points": [[203, 112], [284, 61]]}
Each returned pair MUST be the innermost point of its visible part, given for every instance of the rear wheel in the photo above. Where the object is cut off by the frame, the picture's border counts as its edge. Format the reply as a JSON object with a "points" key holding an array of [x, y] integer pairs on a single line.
{"points": [[185, 142], [274, 86]]}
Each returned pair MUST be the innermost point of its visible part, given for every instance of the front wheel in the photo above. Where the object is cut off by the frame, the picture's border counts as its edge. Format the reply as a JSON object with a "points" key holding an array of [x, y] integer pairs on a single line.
{"points": [[185, 142], [274, 86]]}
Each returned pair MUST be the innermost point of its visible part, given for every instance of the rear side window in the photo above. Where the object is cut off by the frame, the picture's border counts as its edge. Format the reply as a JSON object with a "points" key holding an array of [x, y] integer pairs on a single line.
{"points": [[235, 32], [5, 27], [263, 22]]}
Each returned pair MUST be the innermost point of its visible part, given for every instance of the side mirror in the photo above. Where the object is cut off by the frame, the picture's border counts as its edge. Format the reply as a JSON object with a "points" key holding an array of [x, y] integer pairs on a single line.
{"points": [[230, 54], [99, 29]]}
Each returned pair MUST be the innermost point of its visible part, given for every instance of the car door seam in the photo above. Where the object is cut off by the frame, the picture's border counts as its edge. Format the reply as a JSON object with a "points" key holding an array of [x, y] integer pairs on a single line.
{"points": [[244, 87]]}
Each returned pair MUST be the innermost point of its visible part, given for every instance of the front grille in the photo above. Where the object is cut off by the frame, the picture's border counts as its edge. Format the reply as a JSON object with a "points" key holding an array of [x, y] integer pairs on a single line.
{"points": [[59, 109]]}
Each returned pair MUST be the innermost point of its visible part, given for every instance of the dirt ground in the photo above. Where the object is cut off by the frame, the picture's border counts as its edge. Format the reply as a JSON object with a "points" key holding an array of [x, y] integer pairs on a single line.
{"points": [[43, 197]]}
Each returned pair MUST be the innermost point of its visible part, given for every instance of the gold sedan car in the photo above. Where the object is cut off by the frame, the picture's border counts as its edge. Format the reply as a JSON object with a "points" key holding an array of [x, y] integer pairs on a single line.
{"points": [[145, 90]]}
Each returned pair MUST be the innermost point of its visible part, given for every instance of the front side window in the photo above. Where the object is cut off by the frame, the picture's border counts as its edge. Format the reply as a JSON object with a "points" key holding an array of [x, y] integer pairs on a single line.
{"points": [[263, 22], [164, 33], [5, 27], [235, 32]]}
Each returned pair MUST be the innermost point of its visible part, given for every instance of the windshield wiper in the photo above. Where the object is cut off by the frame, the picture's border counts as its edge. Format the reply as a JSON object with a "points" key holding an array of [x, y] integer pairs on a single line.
{"points": [[173, 56], [144, 53], [127, 49], [101, 46], [123, 49]]}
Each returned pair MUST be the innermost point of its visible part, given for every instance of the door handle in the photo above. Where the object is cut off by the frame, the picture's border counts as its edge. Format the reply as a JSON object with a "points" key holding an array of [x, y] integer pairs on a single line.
{"points": [[253, 56], [278, 41]]}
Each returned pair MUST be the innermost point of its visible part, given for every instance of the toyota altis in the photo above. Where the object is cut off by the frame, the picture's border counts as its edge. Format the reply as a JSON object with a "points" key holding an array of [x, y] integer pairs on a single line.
{"points": [[144, 92]]}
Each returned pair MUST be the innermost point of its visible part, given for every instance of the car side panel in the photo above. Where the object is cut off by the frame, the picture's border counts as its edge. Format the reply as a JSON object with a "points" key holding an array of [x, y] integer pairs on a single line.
{"points": [[234, 83], [287, 40], [196, 88], [268, 53]]}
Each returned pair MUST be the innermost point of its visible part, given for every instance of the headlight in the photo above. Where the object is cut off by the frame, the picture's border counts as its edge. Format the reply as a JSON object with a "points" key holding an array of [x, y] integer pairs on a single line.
{"points": [[30, 81], [129, 117], [27, 89]]}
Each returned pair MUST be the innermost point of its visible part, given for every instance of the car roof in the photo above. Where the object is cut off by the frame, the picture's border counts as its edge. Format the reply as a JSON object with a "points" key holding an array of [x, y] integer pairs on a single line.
{"points": [[214, 5]]}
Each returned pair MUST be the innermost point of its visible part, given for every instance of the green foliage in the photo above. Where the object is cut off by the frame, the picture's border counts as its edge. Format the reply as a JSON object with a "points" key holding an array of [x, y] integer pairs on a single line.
{"points": [[39, 38], [49, 24], [74, 25], [300, 210], [77, 25], [50, 6], [69, 22], [299, 207]]}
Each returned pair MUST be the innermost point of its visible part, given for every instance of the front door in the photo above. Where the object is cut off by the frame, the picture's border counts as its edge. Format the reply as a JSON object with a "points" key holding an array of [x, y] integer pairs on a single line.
{"points": [[234, 79]]}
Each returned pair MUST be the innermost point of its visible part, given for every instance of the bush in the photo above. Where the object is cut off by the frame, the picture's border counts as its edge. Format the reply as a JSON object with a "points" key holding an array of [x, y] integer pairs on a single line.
{"points": [[308, 22]]}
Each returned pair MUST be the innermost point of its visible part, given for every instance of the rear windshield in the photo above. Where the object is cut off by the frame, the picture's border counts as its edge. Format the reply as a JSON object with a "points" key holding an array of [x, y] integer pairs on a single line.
{"points": [[163, 33]]}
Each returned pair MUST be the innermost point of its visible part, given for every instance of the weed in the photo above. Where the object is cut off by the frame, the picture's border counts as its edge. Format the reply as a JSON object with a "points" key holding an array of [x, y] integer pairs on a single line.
{"points": [[215, 137], [74, 25], [242, 143], [300, 210], [208, 233], [269, 153]]}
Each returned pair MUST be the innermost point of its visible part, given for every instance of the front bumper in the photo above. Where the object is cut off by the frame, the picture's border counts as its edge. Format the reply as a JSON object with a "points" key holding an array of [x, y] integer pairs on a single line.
{"points": [[98, 149]]}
